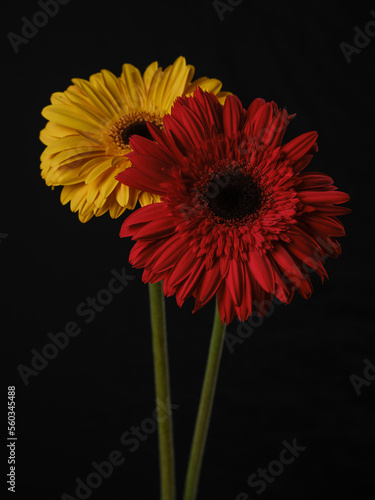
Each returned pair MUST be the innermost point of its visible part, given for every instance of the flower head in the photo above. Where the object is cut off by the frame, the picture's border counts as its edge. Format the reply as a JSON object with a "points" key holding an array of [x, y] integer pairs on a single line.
{"points": [[238, 216], [87, 135]]}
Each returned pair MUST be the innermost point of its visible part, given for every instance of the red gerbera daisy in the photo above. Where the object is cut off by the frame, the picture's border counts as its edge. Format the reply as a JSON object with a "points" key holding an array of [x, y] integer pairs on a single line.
{"points": [[238, 217]]}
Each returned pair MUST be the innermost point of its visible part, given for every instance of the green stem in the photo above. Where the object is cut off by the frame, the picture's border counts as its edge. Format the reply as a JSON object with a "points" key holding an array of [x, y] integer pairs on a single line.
{"points": [[205, 408], [161, 370]]}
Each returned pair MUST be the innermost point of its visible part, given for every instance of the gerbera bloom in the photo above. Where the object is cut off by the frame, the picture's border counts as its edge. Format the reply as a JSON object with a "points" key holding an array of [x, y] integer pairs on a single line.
{"points": [[87, 136], [238, 216]]}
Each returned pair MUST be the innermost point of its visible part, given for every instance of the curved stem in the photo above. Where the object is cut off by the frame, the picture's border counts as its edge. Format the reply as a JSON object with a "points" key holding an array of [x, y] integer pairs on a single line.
{"points": [[164, 412], [205, 408]]}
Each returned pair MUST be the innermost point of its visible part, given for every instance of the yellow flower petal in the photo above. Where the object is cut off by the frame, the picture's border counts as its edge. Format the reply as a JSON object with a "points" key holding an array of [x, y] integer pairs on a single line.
{"points": [[96, 171], [149, 73], [84, 105], [67, 176], [70, 155], [153, 91], [69, 117], [99, 202], [90, 163], [133, 198], [46, 138], [102, 210], [122, 194], [97, 98], [108, 183], [175, 82], [112, 88], [76, 143], [75, 194], [86, 212], [134, 84], [207, 84], [59, 98], [115, 210], [93, 190], [66, 193], [147, 198]]}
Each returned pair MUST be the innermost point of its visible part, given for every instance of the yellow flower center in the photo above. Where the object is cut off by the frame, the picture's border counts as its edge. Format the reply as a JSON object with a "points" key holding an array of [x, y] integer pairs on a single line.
{"points": [[120, 132]]}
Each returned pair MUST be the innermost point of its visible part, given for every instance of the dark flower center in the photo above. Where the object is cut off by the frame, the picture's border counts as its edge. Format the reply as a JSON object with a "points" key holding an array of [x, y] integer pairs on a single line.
{"points": [[138, 127], [233, 195], [120, 131]]}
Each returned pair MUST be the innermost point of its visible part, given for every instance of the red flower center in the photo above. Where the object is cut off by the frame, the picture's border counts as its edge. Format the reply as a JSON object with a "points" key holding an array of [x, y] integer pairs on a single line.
{"points": [[231, 195]]}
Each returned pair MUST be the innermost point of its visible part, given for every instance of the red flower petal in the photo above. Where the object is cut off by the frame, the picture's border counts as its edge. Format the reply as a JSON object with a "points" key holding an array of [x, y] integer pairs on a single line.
{"points": [[315, 196], [302, 163], [179, 134], [326, 225], [159, 228], [232, 115], [262, 271], [262, 120], [134, 177], [189, 286], [300, 146], [303, 246], [254, 107], [225, 304], [277, 128], [183, 267], [332, 209], [208, 286], [138, 218], [314, 180], [235, 281], [142, 252], [285, 260], [167, 254]]}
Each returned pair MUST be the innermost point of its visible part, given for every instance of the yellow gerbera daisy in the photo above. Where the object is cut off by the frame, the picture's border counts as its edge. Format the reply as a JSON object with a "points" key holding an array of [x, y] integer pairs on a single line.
{"points": [[87, 135]]}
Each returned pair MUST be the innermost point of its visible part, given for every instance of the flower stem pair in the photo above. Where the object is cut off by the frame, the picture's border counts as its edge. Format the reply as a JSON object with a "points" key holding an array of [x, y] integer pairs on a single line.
{"points": [[161, 368]]}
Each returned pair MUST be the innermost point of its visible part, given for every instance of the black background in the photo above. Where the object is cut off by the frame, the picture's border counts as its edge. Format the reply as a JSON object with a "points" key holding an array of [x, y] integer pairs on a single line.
{"points": [[290, 379]]}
